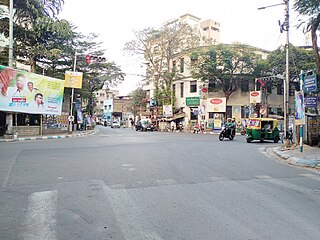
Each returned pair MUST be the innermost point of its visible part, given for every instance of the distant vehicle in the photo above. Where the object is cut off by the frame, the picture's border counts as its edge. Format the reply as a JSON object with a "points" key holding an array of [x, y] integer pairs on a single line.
{"points": [[115, 124], [144, 125]]}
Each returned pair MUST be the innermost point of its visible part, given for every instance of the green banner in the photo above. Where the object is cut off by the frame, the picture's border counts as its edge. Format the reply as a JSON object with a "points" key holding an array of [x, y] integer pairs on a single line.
{"points": [[26, 92], [193, 101]]}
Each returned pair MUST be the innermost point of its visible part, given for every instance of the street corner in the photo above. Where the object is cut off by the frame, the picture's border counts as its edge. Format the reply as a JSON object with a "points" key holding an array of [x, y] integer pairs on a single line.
{"points": [[281, 152]]}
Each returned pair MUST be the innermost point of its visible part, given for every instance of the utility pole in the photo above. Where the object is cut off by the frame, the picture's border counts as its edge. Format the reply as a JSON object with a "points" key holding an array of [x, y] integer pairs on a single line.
{"points": [[286, 83], [71, 117]]}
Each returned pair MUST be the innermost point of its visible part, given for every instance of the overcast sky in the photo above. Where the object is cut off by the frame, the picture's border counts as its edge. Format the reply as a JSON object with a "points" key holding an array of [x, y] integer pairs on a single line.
{"points": [[239, 20]]}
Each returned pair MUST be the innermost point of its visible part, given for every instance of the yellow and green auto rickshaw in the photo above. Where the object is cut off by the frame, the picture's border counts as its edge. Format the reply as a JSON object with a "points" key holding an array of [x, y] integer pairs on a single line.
{"points": [[262, 129]]}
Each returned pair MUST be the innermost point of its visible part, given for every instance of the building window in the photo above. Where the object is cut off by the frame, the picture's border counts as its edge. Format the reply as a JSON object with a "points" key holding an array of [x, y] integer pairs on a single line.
{"points": [[229, 112], [174, 89], [193, 86], [244, 85], [181, 65], [211, 86], [280, 89], [181, 90], [174, 66], [193, 116], [244, 112]]}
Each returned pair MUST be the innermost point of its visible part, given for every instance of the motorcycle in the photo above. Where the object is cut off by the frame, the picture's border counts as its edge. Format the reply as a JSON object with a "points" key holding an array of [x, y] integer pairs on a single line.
{"points": [[226, 133], [243, 131]]}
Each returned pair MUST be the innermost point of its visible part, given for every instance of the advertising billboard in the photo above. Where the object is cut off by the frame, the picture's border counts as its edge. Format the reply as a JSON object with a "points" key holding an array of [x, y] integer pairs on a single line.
{"points": [[255, 97], [26, 92], [216, 105]]}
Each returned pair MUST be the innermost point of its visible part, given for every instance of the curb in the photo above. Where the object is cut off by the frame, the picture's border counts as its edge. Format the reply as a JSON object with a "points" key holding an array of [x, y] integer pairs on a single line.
{"points": [[295, 160], [48, 137]]}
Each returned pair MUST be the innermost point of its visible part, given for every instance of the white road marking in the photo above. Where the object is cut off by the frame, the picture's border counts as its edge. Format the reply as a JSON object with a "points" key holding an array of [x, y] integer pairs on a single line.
{"points": [[41, 216], [128, 215], [315, 177]]}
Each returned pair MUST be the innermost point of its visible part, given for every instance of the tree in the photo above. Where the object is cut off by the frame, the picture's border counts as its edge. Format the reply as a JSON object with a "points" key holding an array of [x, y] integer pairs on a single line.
{"points": [[224, 66], [96, 75], [137, 100], [158, 47], [300, 59], [311, 10], [37, 31]]}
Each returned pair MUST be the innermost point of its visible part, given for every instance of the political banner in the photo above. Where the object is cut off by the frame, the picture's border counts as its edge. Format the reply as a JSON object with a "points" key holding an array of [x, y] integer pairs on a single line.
{"points": [[299, 108], [26, 92]]}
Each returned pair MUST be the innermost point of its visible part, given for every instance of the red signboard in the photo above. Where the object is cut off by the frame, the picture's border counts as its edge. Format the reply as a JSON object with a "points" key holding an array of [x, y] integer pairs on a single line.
{"points": [[216, 101], [255, 94], [204, 90]]}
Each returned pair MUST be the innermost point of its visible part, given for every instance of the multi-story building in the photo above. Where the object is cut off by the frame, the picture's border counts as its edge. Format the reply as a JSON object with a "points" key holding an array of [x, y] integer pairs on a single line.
{"points": [[192, 96], [118, 108]]}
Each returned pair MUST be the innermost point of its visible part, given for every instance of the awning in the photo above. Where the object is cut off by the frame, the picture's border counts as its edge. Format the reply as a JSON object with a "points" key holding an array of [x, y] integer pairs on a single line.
{"points": [[178, 115]]}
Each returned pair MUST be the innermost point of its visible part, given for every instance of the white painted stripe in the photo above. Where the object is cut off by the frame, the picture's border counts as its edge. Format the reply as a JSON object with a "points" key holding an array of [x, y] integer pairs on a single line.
{"points": [[128, 215], [41, 216], [315, 177]]}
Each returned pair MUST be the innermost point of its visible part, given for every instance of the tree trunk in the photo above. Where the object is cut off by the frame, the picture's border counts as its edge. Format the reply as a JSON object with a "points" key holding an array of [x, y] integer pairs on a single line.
{"points": [[33, 64], [314, 28]]}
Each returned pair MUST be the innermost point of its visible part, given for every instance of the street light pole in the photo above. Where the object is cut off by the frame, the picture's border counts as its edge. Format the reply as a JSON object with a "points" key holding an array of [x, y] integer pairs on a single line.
{"points": [[72, 93], [11, 34], [286, 82]]}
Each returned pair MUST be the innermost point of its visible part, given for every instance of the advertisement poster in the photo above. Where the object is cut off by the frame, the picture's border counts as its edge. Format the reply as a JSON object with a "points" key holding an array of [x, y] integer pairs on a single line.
{"points": [[255, 97], [167, 110], [299, 108], [216, 105], [26, 92], [73, 79]]}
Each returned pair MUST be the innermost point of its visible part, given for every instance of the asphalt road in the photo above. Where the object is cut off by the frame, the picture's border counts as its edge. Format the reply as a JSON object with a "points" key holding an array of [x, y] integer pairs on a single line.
{"points": [[125, 185]]}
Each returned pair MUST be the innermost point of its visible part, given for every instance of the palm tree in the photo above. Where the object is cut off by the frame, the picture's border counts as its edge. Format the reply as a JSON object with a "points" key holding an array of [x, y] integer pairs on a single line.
{"points": [[310, 9]]}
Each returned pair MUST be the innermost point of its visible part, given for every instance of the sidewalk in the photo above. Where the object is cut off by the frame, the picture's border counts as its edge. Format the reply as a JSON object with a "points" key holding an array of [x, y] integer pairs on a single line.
{"points": [[55, 136], [309, 157]]}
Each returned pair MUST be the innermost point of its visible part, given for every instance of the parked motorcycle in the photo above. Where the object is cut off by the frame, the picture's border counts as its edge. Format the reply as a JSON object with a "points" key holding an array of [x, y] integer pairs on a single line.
{"points": [[226, 133], [243, 131]]}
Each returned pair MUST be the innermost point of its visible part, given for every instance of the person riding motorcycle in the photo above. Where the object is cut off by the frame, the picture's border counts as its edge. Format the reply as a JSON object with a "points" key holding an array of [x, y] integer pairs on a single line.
{"points": [[234, 126], [229, 126]]}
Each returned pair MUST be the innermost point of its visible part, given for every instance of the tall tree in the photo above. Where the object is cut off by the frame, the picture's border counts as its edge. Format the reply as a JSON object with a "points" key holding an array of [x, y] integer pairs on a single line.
{"points": [[311, 10], [99, 73], [137, 100], [36, 30], [158, 47], [224, 66]]}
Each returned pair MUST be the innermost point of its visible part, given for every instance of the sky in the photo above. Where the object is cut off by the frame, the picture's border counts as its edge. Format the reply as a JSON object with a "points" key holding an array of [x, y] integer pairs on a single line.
{"points": [[240, 21]]}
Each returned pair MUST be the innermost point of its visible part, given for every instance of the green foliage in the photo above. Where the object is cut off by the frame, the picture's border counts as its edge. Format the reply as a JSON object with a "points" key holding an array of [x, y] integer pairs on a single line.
{"points": [[311, 10], [49, 46], [225, 66], [299, 59], [158, 47]]}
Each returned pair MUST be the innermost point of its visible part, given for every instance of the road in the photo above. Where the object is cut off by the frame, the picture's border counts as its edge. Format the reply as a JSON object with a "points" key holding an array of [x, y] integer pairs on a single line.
{"points": [[121, 184]]}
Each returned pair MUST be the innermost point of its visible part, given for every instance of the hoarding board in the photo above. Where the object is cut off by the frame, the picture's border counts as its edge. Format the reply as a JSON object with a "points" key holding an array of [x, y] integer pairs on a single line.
{"points": [[216, 105], [26, 92]]}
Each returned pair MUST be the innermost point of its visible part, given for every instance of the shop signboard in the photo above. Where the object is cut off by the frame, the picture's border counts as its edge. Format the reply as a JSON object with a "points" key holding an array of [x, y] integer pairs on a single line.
{"points": [[311, 102], [26, 92], [216, 105], [255, 97], [192, 101], [310, 83]]}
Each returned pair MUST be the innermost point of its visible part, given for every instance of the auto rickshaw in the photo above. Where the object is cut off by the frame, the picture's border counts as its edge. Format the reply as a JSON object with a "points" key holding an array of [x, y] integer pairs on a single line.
{"points": [[262, 129]]}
